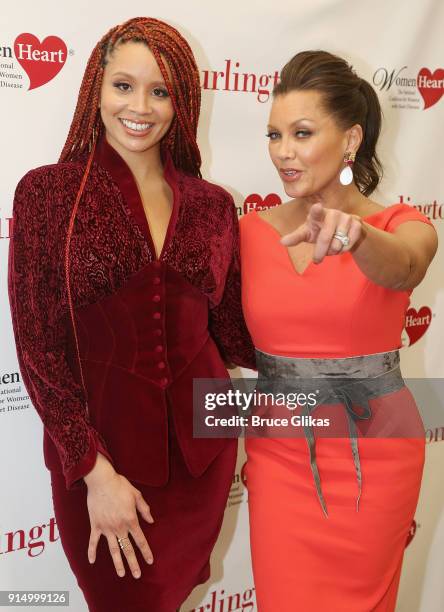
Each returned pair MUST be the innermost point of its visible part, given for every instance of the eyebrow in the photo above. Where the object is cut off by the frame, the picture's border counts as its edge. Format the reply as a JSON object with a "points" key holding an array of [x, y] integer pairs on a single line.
{"points": [[130, 76], [297, 121]]}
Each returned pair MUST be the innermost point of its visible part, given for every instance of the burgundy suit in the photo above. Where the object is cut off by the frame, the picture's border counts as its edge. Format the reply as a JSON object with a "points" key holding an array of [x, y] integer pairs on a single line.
{"points": [[146, 327]]}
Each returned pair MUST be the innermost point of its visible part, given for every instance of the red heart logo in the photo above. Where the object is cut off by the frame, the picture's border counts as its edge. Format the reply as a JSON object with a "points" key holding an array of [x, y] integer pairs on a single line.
{"points": [[431, 86], [417, 323], [255, 202], [40, 60]]}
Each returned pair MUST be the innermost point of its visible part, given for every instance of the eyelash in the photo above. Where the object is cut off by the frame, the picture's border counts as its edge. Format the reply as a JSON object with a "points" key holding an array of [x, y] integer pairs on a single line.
{"points": [[124, 87], [274, 135]]}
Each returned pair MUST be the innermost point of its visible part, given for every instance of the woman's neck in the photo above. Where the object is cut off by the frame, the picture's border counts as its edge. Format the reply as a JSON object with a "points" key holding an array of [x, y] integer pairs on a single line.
{"points": [[347, 199]]}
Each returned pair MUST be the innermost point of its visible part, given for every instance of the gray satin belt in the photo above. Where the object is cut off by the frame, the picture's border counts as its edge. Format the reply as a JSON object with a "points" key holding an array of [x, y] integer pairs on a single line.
{"points": [[349, 382]]}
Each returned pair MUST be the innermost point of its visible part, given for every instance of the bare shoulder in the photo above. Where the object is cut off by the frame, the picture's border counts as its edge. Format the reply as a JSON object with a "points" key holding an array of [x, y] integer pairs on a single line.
{"points": [[275, 212], [285, 213], [368, 207]]}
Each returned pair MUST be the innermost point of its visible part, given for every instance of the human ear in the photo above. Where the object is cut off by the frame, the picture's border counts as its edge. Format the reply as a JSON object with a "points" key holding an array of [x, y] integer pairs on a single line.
{"points": [[355, 136]]}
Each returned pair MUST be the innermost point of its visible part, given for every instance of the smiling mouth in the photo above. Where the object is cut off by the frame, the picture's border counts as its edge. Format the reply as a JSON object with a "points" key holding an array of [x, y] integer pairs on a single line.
{"points": [[290, 172], [138, 127], [290, 175]]}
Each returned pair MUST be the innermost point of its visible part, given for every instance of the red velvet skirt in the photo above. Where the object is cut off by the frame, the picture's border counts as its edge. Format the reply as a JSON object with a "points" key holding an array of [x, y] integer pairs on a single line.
{"points": [[188, 515]]}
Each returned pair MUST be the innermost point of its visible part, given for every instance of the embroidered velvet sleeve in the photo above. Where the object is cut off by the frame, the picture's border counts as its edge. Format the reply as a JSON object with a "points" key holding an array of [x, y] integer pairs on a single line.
{"points": [[39, 313], [226, 323]]}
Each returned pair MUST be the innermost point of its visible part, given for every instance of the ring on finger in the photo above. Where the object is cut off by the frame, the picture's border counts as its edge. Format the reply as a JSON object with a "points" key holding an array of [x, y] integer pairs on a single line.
{"points": [[122, 545], [342, 237]]}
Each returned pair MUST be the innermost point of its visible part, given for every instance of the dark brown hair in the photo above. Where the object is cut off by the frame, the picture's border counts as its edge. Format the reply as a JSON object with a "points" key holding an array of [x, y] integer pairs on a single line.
{"points": [[166, 42], [347, 97]]}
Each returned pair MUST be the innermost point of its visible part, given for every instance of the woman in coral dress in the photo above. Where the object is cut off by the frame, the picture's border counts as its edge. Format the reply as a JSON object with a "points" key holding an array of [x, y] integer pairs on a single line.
{"points": [[330, 511], [124, 286]]}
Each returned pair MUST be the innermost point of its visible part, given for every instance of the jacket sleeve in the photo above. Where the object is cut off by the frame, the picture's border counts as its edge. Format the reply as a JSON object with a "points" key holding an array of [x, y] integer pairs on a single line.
{"points": [[39, 312], [226, 322]]}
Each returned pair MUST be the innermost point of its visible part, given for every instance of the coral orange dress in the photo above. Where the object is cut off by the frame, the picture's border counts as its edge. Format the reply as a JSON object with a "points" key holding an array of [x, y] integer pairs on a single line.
{"points": [[349, 560]]}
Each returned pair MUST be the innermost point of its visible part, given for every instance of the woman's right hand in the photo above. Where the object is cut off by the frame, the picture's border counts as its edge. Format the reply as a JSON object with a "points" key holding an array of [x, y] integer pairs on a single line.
{"points": [[112, 505]]}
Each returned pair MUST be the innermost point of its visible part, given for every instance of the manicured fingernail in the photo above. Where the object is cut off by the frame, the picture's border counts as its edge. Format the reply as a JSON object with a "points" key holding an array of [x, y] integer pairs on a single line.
{"points": [[150, 560], [136, 574], [121, 573]]}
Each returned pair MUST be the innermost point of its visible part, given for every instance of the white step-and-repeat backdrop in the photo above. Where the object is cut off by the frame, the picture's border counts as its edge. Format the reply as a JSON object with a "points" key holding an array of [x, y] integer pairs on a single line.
{"points": [[240, 47]]}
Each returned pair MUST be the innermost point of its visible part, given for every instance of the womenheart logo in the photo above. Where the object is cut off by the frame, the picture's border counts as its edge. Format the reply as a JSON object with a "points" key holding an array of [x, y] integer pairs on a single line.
{"points": [[41, 61], [254, 201], [417, 323], [430, 86]]}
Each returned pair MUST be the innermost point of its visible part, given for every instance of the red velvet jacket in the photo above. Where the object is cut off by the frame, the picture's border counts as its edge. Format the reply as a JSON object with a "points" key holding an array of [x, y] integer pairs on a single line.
{"points": [[146, 326]]}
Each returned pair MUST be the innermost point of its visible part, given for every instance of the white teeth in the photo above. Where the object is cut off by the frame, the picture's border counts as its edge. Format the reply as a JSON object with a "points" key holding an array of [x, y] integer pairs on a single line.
{"points": [[289, 172], [139, 127]]}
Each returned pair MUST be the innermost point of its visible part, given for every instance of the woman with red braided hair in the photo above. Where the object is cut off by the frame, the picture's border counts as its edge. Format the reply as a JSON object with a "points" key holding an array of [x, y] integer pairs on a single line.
{"points": [[124, 286]]}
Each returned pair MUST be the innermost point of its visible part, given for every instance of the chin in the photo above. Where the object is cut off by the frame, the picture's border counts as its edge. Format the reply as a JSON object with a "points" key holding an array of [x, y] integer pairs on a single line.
{"points": [[294, 191], [139, 146], [307, 190], [136, 146]]}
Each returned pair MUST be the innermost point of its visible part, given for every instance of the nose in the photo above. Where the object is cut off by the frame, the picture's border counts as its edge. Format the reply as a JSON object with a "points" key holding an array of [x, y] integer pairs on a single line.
{"points": [[284, 149], [140, 102]]}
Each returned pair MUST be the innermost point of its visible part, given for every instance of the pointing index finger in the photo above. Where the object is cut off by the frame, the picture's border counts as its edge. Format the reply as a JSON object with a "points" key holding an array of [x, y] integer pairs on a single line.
{"points": [[302, 234], [317, 213]]}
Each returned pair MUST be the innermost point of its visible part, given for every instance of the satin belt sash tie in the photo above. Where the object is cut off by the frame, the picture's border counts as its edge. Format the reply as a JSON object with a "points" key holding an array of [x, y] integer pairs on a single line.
{"points": [[350, 381]]}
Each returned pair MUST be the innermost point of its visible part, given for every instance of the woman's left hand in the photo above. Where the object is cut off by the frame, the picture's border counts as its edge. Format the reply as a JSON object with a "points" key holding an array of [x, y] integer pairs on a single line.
{"points": [[320, 228]]}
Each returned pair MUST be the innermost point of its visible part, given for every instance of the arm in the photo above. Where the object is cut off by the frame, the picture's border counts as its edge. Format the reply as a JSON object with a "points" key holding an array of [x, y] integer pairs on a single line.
{"points": [[39, 314], [399, 260], [227, 323], [39, 310], [396, 257]]}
